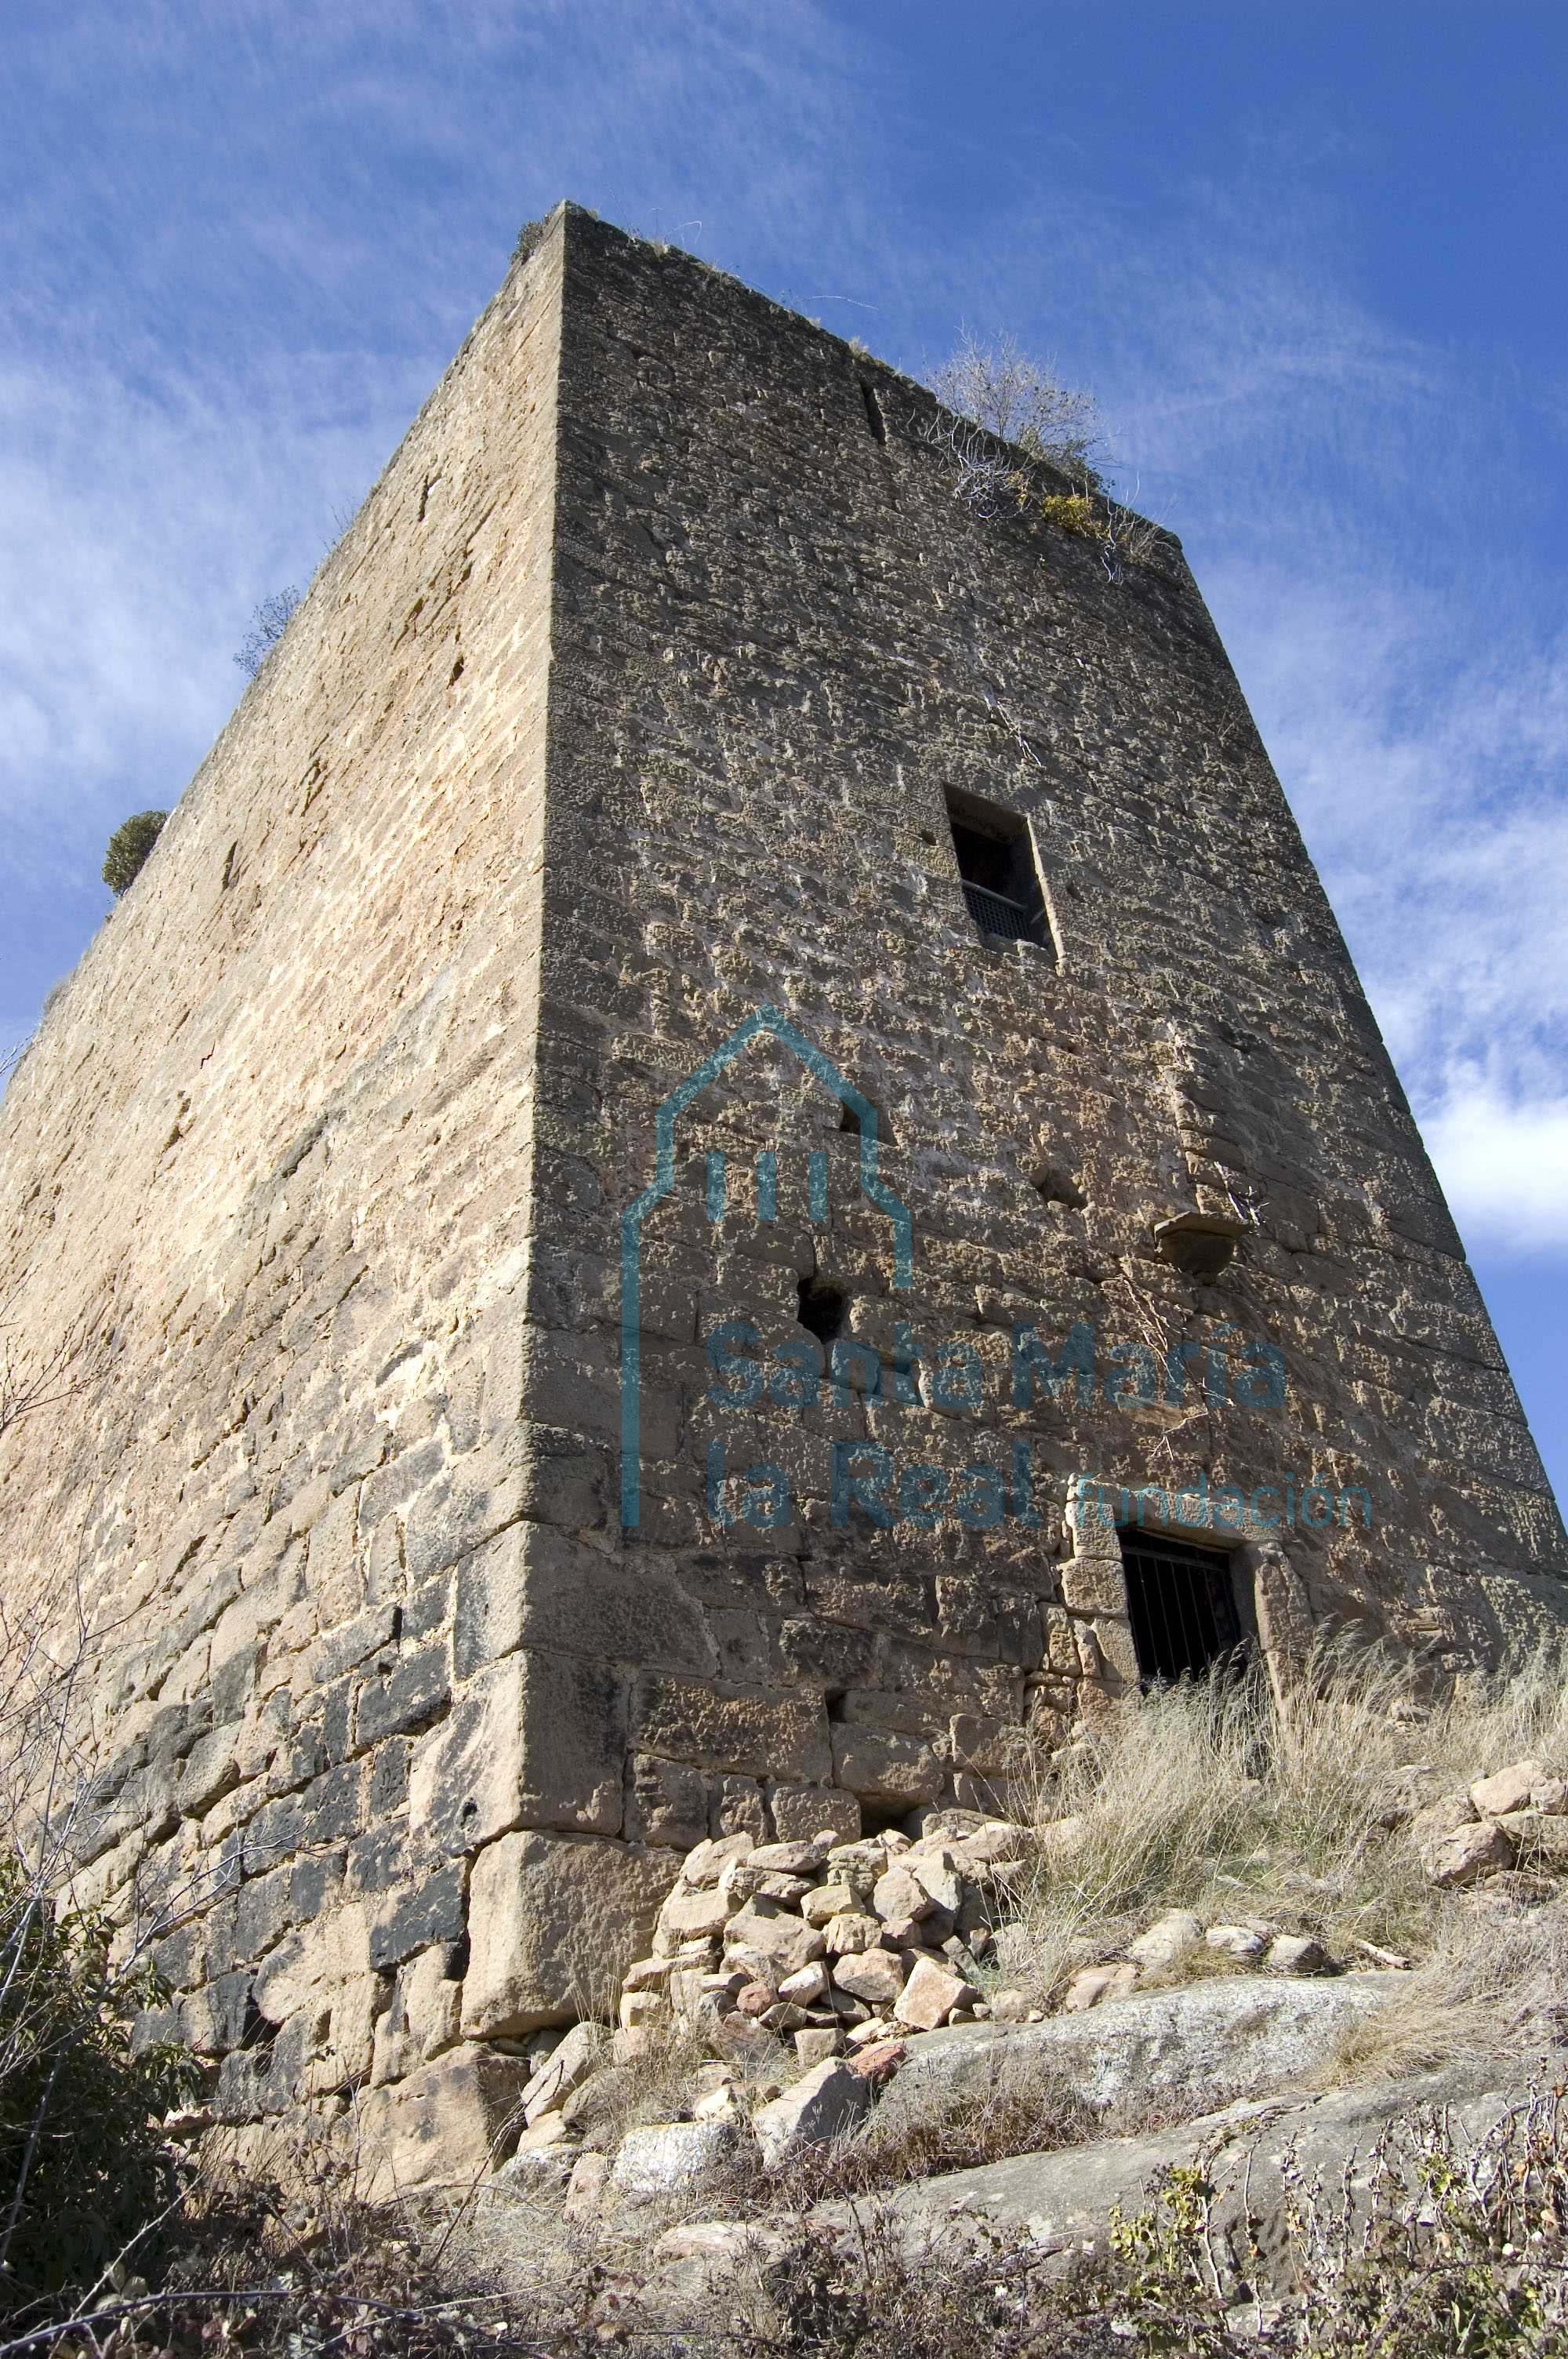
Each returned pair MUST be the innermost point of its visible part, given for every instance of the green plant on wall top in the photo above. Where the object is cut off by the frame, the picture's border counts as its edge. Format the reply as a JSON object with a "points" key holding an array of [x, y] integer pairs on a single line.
{"points": [[129, 848]]}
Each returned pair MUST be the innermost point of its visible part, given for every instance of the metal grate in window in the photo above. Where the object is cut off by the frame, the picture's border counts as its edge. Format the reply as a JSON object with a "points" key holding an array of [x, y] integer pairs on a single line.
{"points": [[1181, 1603], [993, 913]]}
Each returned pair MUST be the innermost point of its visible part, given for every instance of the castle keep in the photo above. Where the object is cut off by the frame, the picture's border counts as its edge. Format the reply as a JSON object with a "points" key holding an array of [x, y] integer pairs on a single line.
{"points": [[668, 676]]}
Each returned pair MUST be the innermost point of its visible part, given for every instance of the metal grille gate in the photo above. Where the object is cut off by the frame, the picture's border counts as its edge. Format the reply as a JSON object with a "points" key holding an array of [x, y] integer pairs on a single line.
{"points": [[1182, 1605]]}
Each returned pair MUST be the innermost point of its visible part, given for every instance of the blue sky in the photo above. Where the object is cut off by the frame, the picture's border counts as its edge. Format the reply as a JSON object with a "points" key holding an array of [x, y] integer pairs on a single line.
{"points": [[1309, 257]]}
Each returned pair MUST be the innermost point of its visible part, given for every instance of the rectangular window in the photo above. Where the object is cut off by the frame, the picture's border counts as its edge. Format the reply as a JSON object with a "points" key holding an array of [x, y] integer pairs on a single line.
{"points": [[996, 861], [1181, 1601]]}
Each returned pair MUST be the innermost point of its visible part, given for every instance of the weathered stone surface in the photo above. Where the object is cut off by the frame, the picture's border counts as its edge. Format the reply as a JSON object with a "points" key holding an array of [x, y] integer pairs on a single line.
{"points": [[585, 2188], [801, 1812], [423, 2020], [852, 1930], [930, 1994], [439, 2127], [1296, 1953], [567, 2067], [1237, 1941], [1506, 1790], [874, 1976], [901, 1896], [766, 1735], [939, 1876], [826, 1901], [1094, 1984], [1235, 2036], [1167, 1941], [806, 1985], [1539, 1839], [685, 1915], [1252, 2153], [703, 1865], [1443, 1817], [1469, 1851], [547, 1918], [776, 1933], [533, 1741], [826, 2103], [884, 1766], [670, 2159], [534, 1586]]}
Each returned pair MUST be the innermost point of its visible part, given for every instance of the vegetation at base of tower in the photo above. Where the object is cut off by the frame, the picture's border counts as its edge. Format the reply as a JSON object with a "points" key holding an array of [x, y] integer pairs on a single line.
{"points": [[1450, 2248], [1295, 1807], [128, 849], [269, 620], [1447, 2246], [85, 2171], [1297, 1810]]}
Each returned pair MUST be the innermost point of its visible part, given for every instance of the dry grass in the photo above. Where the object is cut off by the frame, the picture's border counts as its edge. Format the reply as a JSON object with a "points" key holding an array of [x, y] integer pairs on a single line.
{"points": [[1029, 2109], [1292, 1813]]}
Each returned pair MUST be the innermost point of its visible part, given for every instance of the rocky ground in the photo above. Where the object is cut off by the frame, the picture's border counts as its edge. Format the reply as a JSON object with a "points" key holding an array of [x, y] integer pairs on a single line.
{"points": [[827, 2028]]}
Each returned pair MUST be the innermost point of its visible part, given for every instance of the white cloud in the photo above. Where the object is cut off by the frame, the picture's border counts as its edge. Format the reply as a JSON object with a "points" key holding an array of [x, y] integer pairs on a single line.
{"points": [[1504, 1168]]}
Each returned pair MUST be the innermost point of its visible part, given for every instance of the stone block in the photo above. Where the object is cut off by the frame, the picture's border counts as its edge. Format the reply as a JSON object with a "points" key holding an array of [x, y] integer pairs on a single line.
{"points": [[1095, 1985], [995, 1747], [551, 1922], [1095, 1585], [431, 1998], [334, 1949], [776, 1933], [1506, 1790], [1167, 1940], [707, 1862], [1539, 1839], [799, 1813], [735, 1806], [667, 1803], [669, 2158], [694, 1916], [757, 1736], [440, 2127], [874, 1976], [1297, 1953], [826, 2103], [401, 1696], [432, 1911], [533, 1741], [566, 2067], [930, 1996], [1470, 1852], [826, 1901], [462, 1506], [885, 1766], [534, 1586]]}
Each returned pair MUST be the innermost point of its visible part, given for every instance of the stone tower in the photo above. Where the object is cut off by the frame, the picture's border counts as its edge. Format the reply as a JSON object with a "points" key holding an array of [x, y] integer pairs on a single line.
{"points": [[682, 666]]}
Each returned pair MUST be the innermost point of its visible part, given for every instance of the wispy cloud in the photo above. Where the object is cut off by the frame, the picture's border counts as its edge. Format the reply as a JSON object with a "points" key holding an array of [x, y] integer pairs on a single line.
{"points": [[221, 315]]}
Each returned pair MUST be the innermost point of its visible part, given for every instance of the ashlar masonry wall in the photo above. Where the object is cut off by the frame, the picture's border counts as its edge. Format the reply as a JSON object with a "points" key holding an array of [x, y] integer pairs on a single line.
{"points": [[265, 1178], [629, 705]]}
